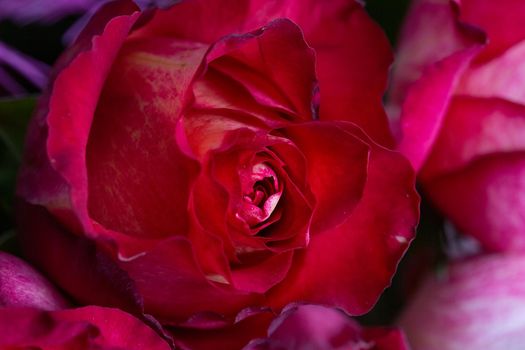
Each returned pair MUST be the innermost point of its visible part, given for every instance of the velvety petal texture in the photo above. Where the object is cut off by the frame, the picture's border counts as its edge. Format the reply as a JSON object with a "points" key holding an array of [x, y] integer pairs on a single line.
{"points": [[86, 328], [190, 173], [475, 304], [322, 328], [461, 105], [23, 286]]}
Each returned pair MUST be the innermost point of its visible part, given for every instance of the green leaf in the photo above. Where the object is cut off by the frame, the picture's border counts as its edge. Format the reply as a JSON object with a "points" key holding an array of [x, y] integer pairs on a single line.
{"points": [[14, 116]]}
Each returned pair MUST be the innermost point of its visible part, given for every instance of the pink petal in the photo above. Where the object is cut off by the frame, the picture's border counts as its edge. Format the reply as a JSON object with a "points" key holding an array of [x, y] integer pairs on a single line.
{"points": [[23, 286], [486, 200], [503, 76], [475, 127], [426, 103], [501, 20], [477, 304]]}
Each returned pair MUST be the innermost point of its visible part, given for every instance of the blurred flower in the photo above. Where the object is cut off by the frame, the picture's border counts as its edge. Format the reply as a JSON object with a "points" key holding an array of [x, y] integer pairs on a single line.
{"points": [[461, 99], [472, 305], [17, 71]]}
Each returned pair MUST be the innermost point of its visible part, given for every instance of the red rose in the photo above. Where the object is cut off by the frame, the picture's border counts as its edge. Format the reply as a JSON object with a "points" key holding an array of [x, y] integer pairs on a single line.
{"points": [[462, 106], [187, 164], [319, 327]]}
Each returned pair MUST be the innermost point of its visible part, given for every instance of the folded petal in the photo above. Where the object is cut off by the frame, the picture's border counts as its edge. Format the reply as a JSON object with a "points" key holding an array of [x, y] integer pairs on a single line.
{"points": [[363, 251], [485, 200]]}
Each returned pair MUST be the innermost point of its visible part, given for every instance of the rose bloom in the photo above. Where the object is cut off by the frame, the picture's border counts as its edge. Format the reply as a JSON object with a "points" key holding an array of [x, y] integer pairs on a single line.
{"points": [[318, 327], [31, 317], [471, 305], [458, 86], [204, 164]]}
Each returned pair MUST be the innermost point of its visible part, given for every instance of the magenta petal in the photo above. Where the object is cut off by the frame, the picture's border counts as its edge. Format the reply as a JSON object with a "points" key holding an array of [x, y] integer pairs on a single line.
{"points": [[472, 305], [475, 127], [426, 104], [319, 327], [485, 200], [90, 327], [23, 286]]}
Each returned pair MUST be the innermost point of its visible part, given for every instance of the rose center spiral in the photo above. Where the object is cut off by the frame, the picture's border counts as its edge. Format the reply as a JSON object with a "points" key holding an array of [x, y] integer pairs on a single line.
{"points": [[261, 191]]}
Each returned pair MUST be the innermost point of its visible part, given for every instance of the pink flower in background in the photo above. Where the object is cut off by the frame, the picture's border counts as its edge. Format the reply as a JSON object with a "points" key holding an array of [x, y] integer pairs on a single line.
{"points": [[204, 163], [471, 305], [301, 327], [461, 100]]}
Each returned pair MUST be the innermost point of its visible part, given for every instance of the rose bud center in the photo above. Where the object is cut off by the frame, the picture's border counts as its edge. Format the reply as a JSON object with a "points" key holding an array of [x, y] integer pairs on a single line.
{"points": [[261, 193]]}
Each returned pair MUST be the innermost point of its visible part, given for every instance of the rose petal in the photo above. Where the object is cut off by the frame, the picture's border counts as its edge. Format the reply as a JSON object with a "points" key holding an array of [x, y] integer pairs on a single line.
{"points": [[485, 200], [319, 327], [364, 250], [475, 127], [54, 172], [476, 304], [185, 287], [337, 166], [426, 104], [247, 326], [23, 286], [138, 154], [83, 328], [74, 263], [503, 76], [488, 15]]}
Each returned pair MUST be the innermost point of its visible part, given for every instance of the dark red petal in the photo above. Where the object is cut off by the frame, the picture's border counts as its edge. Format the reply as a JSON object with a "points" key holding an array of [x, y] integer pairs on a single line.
{"points": [[485, 200], [474, 127], [353, 55], [139, 179], [426, 104], [85, 328], [337, 169], [74, 263], [185, 289], [502, 21], [248, 325], [54, 172], [362, 253]]}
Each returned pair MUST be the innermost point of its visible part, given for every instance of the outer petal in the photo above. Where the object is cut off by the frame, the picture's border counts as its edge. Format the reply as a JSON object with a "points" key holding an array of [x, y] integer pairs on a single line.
{"points": [[85, 328], [475, 127], [54, 172], [362, 253], [503, 76], [353, 54], [501, 20], [477, 304], [248, 325], [485, 200], [23, 286], [319, 327], [185, 289], [426, 104]]}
